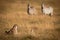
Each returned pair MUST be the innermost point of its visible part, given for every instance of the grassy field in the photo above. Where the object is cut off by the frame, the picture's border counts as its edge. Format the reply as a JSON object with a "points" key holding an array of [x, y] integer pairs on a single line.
{"points": [[44, 27]]}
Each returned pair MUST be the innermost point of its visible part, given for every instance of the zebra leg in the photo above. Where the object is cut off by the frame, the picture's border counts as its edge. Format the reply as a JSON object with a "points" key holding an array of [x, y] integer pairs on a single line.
{"points": [[51, 14]]}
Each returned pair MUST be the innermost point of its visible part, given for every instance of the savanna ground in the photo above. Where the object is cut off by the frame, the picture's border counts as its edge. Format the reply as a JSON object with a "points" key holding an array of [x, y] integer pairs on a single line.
{"points": [[15, 12]]}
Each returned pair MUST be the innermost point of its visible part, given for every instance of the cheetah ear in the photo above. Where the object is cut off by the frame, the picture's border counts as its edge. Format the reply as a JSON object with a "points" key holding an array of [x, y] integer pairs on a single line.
{"points": [[15, 25]]}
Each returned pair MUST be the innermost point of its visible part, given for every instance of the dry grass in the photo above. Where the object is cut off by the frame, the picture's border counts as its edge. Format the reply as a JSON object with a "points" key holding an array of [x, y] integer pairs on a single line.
{"points": [[44, 27]]}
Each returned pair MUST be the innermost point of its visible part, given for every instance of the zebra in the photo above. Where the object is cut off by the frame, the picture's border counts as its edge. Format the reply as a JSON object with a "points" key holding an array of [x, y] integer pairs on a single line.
{"points": [[31, 10], [47, 9]]}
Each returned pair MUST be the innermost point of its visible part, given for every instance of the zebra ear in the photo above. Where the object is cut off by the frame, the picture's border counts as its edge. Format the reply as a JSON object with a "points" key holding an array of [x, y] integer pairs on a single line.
{"points": [[28, 4], [43, 4]]}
